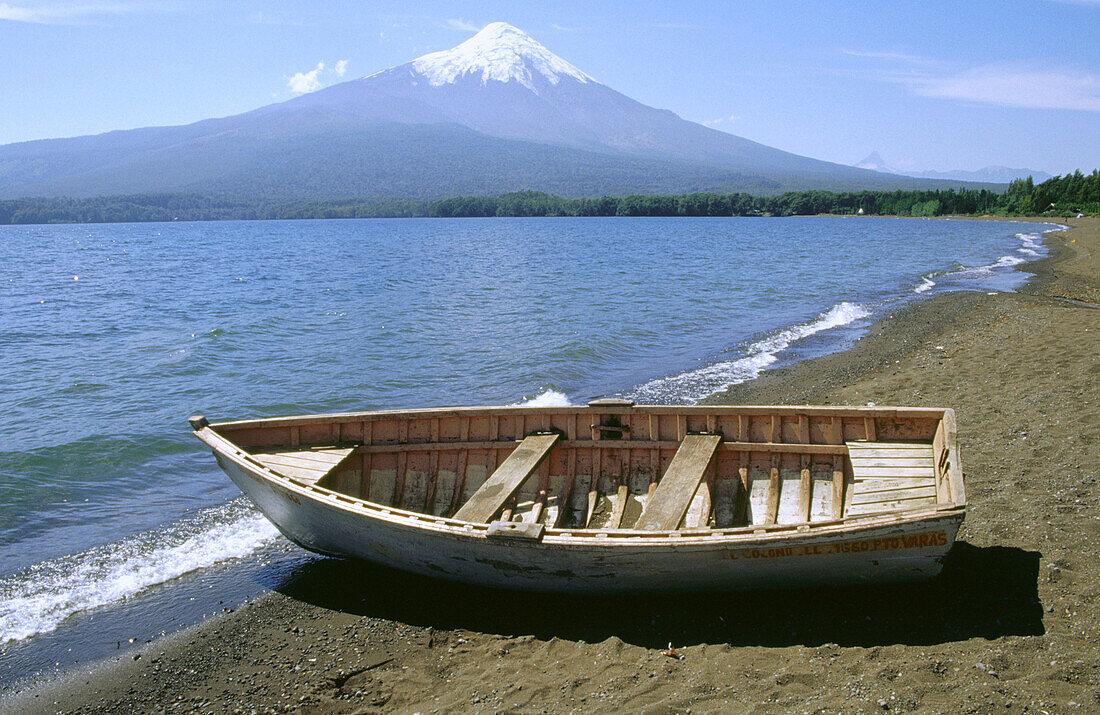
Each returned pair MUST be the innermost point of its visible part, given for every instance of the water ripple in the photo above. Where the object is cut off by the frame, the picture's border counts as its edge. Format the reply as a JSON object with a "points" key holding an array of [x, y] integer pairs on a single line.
{"points": [[103, 491]]}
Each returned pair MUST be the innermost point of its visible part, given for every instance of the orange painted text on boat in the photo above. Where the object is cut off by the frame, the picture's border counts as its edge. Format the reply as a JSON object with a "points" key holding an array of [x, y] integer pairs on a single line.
{"points": [[907, 541]]}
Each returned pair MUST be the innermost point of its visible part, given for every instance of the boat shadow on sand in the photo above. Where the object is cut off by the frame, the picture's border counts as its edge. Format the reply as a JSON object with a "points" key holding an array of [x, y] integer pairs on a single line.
{"points": [[983, 592]]}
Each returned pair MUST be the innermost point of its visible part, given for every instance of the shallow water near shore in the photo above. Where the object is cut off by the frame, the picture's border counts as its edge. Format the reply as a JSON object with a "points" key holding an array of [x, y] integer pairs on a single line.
{"points": [[113, 520]]}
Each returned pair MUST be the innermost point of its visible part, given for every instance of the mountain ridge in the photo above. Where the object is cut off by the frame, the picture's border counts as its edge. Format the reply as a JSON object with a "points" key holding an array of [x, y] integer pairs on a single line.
{"points": [[497, 113], [988, 174]]}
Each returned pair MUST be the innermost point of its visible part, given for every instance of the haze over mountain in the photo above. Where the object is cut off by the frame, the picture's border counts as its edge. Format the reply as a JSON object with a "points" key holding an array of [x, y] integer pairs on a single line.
{"points": [[990, 174], [497, 113]]}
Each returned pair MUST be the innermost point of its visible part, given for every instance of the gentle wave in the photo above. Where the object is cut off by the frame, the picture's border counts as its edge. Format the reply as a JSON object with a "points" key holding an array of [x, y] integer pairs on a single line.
{"points": [[39, 598], [990, 268], [926, 284], [1007, 261], [550, 398], [694, 385], [1032, 244], [1031, 248]]}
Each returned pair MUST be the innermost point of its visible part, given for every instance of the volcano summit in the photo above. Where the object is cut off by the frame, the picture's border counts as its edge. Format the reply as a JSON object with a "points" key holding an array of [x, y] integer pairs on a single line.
{"points": [[499, 112]]}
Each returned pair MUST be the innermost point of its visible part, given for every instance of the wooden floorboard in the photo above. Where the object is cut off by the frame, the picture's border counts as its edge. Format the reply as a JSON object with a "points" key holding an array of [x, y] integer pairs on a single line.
{"points": [[871, 462], [291, 461], [872, 484], [893, 495], [294, 462], [859, 509], [888, 476]]}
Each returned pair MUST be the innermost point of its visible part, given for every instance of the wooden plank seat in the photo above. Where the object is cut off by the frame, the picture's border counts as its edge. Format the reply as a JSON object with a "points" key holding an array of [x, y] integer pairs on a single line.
{"points": [[304, 464], [503, 483], [666, 508], [890, 475]]}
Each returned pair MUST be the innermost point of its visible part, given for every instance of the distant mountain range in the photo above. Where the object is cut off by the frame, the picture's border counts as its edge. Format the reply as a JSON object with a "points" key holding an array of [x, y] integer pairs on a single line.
{"points": [[989, 174], [497, 113]]}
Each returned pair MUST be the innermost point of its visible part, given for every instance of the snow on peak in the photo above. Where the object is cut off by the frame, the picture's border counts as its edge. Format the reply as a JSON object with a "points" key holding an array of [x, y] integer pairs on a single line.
{"points": [[501, 53]]}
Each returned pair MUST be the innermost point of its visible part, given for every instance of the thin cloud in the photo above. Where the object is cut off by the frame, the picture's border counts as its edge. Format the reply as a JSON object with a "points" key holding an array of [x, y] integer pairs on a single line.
{"points": [[1002, 84], [1015, 85], [313, 80], [460, 25], [722, 123], [893, 66], [61, 13], [564, 28], [722, 120], [302, 82]]}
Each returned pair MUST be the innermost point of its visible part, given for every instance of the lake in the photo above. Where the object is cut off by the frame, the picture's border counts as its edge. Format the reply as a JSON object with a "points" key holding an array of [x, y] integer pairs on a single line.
{"points": [[116, 523]]}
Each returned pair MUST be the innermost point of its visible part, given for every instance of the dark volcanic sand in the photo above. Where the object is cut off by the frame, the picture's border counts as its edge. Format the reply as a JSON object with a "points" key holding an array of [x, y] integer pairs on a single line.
{"points": [[1010, 626]]}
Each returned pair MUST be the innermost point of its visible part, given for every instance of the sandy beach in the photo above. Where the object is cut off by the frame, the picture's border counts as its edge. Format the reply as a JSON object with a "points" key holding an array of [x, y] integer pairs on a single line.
{"points": [[1012, 624]]}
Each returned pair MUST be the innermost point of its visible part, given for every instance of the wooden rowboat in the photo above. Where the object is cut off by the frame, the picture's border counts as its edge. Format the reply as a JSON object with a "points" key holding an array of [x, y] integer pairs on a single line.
{"points": [[612, 496]]}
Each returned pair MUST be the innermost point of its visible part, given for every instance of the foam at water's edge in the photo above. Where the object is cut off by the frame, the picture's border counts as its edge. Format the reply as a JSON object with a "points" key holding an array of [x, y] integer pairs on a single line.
{"points": [[694, 385], [1031, 247], [926, 284], [550, 398], [37, 599], [1032, 242]]}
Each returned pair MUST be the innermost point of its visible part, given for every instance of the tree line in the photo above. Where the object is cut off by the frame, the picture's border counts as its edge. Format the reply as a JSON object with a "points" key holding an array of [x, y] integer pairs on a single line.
{"points": [[1060, 196]]}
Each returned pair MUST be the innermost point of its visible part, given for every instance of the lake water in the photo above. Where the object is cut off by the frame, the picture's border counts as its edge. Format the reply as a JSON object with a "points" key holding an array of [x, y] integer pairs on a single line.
{"points": [[115, 523]]}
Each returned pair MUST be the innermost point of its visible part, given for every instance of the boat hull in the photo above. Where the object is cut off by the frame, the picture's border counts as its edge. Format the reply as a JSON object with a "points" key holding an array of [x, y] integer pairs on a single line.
{"points": [[903, 548]]}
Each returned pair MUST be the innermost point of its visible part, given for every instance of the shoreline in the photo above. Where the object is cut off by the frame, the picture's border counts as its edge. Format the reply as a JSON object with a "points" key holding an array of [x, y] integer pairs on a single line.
{"points": [[896, 336], [324, 642], [89, 633]]}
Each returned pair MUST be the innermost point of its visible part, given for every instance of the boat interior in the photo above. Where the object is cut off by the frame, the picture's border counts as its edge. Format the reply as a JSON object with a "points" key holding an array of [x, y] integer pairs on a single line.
{"points": [[616, 466]]}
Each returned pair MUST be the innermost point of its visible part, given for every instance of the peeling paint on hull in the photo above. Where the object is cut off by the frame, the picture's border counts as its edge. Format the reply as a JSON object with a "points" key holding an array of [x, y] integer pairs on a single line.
{"points": [[898, 552]]}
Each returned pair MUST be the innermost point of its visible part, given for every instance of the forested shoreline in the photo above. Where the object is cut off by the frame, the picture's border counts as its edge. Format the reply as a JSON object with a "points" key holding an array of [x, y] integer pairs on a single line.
{"points": [[1060, 196]]}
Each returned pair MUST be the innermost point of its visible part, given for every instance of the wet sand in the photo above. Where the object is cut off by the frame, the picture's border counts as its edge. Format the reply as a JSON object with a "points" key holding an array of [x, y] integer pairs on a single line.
{"points": [[1012, 624]]}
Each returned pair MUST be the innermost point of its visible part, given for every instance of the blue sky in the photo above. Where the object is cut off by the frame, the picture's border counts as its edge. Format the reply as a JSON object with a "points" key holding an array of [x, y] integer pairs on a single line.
{"points": [[929, 85]]}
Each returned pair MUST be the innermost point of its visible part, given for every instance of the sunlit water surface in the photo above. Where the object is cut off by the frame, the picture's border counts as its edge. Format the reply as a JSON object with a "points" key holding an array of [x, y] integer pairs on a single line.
{"points": [[115, 521]]}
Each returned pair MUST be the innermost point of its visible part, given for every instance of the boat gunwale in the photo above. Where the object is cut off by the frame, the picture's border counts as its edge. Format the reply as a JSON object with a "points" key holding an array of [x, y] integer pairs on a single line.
{"points": [[850, 526], [897, 412]]}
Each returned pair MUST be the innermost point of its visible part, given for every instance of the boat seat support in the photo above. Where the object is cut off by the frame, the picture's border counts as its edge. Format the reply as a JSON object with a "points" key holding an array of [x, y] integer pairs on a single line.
{"points": [[670, 501], [503, 484]]}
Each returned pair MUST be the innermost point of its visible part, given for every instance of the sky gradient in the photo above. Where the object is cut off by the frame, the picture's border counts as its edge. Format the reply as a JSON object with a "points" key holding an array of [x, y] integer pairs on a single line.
{"points": [[931, 85]]}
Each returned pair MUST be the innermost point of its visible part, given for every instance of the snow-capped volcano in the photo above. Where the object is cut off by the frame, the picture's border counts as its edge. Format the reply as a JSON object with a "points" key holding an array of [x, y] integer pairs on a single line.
{"points": [[499, 112], [503, 83], [499, 53]]}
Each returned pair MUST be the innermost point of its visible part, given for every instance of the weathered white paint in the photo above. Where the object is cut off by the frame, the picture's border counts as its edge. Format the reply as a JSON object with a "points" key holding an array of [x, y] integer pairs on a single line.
{"points": [[564, 561], [821, 504]]}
